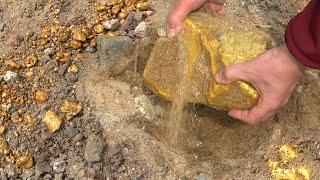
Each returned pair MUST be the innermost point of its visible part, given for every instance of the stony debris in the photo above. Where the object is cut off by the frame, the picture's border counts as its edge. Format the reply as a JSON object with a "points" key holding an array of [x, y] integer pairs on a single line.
{"points": [[142, 29], [10, 77], [59, 166], [94, 148], [144, 107], [112, 24], [2, 26]]}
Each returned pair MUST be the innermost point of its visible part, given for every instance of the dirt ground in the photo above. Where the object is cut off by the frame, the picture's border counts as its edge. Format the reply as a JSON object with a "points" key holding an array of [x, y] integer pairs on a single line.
{"points": [[132, 144]]}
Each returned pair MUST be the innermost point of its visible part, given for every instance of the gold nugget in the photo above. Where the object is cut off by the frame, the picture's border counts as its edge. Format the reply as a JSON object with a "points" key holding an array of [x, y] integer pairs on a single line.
{"points": [[52, 121]]}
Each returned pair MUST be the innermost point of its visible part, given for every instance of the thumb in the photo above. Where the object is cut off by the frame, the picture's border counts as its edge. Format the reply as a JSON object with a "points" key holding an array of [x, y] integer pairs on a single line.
{"points": [[177, 14], [233, 73]]}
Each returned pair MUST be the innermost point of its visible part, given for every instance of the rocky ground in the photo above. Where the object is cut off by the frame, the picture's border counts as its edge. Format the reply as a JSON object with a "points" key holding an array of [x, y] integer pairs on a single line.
{"points": [[73, 104]]}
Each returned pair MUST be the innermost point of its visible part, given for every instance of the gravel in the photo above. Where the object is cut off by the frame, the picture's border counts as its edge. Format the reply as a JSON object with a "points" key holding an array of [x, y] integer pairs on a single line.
{"points": [[94, 148]]}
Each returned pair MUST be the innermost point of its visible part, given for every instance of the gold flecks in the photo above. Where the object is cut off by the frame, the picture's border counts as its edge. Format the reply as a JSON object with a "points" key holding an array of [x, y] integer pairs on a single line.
{"points": [[305, 172], [122, 15], [287, 153], [75, 44], [12, 64], [142, 6], [4, 147], [52, 121], [2, 129], [73, 69], [79, 36], [71, 108], [28, 119], [112, 33], [98, 28], [30, 60], [41, 96], [273, 164], [25, 162], [29, 74]]}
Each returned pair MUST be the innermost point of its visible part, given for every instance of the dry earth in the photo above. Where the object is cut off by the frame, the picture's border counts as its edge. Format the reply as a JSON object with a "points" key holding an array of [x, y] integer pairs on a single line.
{"points": [[121, 133]]}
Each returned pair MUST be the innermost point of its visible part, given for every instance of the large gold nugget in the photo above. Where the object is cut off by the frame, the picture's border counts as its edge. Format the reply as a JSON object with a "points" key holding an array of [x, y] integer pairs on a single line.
{"points": [[208, 44]]}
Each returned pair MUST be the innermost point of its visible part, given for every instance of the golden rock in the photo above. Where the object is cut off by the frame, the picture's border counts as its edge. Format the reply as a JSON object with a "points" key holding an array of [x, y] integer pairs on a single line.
{"points": [[122, 15], [71, 108], [52, 121], [75, 44], [207, 45], [79, 36], [4, 147], [116, 9], [287, 153], [142, 6], [73, 69], [12, 64], [30, 61], [2, 129], [98, 28], [41, 96], [25, 162]]}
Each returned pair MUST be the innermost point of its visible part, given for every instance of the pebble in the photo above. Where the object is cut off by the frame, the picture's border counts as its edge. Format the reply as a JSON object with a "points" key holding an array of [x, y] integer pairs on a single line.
{"points": [[147, 13], [142, 29], [10, 77], [2, 26], [112, 24], [138, 16], [93, 149], [70, 131], [202, 177], [59, 166], [144, 107], [91, 49]]}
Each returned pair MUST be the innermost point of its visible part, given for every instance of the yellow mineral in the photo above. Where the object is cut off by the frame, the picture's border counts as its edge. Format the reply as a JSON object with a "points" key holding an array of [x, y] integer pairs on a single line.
{"points": [[73, 69], [41, 96], [52, 121], [30, 60], [98, 28], [25, 162], [75, 44], [207, 45], [287, 153], [4, 147], [142, 6], [305, 172], [71, 108], [79, 36], [2, 129]]}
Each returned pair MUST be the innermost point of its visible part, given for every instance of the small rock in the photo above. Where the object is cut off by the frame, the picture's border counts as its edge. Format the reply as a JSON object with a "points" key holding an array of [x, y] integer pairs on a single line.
{"points": [[129, 24], [2, 26], [10, 77], [59, 166], [202, 177], [94, 148], [147, 13], [27, 174], [112, 24], [49, 51], [142, 29], [138, 16], [41, 168], [162, 32], [114, 52], [144, 107], [90, 49], [70, 131]]}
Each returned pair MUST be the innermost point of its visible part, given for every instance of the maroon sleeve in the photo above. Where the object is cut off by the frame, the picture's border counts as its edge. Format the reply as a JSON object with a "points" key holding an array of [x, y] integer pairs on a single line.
{"points": [[303, 35]]}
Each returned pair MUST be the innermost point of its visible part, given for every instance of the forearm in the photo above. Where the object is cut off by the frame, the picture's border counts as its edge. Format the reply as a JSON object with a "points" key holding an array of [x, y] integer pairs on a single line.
{"points": [[303, 35]]}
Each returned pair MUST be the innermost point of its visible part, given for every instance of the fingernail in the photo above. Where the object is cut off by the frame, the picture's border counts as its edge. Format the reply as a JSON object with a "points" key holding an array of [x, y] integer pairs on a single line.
{"points": [[172, 32], [218, 78]]}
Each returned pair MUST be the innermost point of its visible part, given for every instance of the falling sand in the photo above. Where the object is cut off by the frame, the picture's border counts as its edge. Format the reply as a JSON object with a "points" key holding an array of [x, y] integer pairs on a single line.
{"points": [[175, 123]]}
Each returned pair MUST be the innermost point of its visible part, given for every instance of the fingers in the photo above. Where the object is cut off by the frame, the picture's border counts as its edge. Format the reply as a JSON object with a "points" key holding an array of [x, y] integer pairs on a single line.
{"points": [[183, 7], [216, 8], [235, 72], [180, 10]]}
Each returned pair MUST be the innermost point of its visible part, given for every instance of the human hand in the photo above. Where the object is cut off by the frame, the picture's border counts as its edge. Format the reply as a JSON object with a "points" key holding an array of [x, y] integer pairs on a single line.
{"points": [[274, 74], [183, 7]]}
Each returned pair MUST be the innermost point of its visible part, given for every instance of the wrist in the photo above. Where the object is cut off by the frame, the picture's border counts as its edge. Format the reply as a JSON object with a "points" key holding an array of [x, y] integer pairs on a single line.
{"points": [[301, 67]]}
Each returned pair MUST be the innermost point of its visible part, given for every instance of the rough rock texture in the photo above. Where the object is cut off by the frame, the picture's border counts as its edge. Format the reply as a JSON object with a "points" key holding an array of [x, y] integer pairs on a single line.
{"points": [[206, 37], [115, 52]]}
